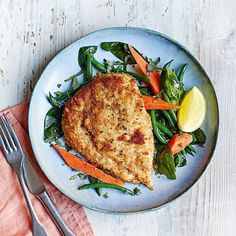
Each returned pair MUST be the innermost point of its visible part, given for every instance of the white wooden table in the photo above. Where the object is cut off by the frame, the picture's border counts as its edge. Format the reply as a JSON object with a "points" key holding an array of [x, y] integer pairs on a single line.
{"points": [[32, 32]]}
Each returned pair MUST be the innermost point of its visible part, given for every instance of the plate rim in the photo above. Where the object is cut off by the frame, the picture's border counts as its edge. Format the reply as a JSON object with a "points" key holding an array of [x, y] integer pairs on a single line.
{"points": [[152, 32]]}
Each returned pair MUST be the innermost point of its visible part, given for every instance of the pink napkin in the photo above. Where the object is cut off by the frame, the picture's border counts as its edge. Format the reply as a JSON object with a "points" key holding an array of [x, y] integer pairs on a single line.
{"points": [[14, 216]]}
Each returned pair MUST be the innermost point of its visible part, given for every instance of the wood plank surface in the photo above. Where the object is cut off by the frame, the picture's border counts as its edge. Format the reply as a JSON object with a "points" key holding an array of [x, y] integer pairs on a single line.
{"points": [[32, 32]]}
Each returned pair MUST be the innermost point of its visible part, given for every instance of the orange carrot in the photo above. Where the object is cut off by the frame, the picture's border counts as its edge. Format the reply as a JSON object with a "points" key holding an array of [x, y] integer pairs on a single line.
{"points": [[154, 77], [76, 163], [151, 103], [179, 142]]}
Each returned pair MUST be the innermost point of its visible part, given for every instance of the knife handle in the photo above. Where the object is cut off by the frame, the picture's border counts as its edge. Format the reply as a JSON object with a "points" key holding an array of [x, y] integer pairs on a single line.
{"points": [[55, 215]]}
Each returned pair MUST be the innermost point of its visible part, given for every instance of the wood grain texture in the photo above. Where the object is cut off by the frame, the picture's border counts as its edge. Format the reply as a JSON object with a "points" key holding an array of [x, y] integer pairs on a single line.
{"points": [[32, 32]]}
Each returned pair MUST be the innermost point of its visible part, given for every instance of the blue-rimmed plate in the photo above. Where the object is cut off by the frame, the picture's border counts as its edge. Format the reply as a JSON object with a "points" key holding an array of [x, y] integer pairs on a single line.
{"points": [[152, 44]]}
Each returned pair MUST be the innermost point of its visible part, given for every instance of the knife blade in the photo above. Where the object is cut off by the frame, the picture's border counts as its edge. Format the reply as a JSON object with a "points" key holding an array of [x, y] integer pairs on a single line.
{"points": [[32, 180], [37, 188]]}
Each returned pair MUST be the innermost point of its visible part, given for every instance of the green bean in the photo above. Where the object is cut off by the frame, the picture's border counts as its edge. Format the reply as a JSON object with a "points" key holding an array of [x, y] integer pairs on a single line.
{"points": [[73, 76], [182, 71], [144, 91], [93, 180], [168, 117], [165, 96], [74, 83], [106, 185], [98, 65], [155, 127], [98, 190], [136, 75], [183, 152], [164, 129], [187, 150], [172, 115], [171, 112], [70, 92], [190, 148], [73, 91], [89, 70]]}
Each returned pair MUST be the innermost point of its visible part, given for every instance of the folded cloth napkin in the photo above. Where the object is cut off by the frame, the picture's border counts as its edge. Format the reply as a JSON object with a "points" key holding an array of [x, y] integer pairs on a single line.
{"points": [[14, 215]]}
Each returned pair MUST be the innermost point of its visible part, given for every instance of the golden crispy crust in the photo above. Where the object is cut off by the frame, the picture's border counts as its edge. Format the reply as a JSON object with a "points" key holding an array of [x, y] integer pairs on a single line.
{"points": [[106, 122]]}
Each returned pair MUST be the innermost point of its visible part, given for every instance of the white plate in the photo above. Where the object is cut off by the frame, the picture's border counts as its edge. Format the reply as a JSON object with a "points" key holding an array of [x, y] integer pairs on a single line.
{"points": [[152, 44]]}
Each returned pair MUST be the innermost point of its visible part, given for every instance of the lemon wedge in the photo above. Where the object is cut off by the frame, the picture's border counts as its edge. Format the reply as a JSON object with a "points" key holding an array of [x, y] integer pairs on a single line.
{"points": [[193, 110]]}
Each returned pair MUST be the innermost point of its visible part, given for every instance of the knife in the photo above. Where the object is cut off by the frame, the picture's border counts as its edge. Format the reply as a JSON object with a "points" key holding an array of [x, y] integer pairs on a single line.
{"points": [[37, 188]]}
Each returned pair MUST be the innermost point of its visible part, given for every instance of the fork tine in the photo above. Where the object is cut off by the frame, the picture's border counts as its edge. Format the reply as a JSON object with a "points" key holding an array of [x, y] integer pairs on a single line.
{"points": [[6, 135], [5, 139], [10, 133], [2, 144]]}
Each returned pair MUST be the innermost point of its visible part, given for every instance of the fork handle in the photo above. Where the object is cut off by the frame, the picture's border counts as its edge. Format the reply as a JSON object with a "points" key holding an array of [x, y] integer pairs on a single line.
{"points": [[55, 215], [38, 229]]}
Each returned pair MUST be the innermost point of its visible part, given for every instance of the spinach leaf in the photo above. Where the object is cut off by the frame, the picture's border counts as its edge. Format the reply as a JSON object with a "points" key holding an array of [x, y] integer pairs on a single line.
{"points": [[61, 96], [52, 125], [172, 86], [83, 52], [113, 66], [59, 100], [199, 137], [52, 116], [52, 120], [165, 164], [180, 160], [53, 101], [182, 70], [167, 65], [120, 50], [52, 133]]}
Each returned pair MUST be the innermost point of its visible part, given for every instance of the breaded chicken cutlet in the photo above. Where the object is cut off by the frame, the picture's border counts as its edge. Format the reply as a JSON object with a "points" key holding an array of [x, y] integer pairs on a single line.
{"points": [[107, 123]]}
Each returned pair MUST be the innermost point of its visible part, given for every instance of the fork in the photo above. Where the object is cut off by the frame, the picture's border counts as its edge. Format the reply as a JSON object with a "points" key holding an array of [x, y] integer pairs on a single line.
{"points": [[15, 156]]}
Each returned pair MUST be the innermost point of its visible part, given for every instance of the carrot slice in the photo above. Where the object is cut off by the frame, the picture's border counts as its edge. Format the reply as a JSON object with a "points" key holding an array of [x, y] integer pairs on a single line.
{"points": [[154, 77], [179, 142], [76, 163], [151, 103]]}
